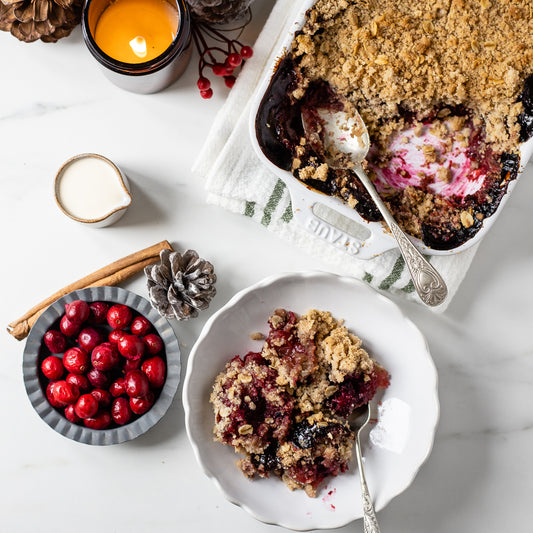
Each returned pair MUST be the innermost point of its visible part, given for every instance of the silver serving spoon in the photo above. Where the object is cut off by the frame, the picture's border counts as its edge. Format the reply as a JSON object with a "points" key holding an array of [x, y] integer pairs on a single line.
{"points": [[370, 521], [346, 135]]}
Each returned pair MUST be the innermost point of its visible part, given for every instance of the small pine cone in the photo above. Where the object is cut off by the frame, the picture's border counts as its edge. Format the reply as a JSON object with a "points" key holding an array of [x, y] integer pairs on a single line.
{"points": [[180, 285], [218, 11], [48, 20]]}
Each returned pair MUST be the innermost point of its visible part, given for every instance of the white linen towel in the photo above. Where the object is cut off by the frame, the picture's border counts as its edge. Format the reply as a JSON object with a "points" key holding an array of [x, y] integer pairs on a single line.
{"points": [[238, 181]]}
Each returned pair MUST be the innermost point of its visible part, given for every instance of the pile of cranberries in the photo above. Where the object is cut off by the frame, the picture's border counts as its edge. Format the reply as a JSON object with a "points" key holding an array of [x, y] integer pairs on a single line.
{"points": [[112, 366]]}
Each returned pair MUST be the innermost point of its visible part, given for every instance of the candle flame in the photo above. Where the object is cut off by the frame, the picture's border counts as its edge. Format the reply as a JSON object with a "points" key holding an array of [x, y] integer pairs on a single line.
{"points": [[138, 45]]}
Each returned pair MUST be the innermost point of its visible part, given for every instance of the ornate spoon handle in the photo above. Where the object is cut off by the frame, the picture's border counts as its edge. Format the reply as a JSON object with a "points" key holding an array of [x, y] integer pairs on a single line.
{"points": [[427, 281], [370, 522]]}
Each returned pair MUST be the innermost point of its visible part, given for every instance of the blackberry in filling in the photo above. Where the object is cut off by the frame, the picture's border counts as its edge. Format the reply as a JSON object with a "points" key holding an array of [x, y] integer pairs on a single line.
{"points": [[284, 409]]}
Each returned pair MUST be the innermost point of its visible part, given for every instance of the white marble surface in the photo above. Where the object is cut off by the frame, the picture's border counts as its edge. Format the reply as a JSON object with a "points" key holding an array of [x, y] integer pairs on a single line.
{"points": [[56, 103]]}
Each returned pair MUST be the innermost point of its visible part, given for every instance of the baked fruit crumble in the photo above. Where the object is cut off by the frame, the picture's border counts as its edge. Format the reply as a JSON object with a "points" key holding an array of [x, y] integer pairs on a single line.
{"points": [[445, 88], [285, 408]]}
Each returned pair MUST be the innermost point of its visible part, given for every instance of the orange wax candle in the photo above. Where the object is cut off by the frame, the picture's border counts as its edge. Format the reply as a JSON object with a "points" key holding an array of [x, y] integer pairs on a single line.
{"points": [[135, 31]]}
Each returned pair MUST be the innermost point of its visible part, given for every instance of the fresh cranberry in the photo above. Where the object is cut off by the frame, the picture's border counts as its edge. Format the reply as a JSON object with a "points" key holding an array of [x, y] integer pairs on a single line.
{"points": [[136, 384], [55, 341], [154, 368], [203, 83], [80, 381], [50, 395], [77, 311], [208, 93], [121, 411], [140, 326], [140, 405], [247, 52], [105, 356], [98, 378], [98, 312], [89, 338], [76, 360], [154, 343], [70, 414], [86, 406], [131, 347], [101, 421], [65, 393], [69, 328], [116, 335], [234, 60], [117, 388], [131, 364], [119, 316], [103, 397], [52, 367]]}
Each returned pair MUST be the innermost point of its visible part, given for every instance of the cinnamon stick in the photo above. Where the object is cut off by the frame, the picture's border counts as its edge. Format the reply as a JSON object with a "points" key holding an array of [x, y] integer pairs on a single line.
{"points": [[110, 275]]}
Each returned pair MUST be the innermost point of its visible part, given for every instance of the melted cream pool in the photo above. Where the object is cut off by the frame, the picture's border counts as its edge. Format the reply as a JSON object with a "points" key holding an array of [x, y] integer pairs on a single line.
{"points": [[90, 188]]}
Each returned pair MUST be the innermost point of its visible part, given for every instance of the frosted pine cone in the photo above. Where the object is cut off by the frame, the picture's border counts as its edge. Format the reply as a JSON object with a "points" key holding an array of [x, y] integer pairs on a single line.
{"points": [[180, 285], [218, 11]]}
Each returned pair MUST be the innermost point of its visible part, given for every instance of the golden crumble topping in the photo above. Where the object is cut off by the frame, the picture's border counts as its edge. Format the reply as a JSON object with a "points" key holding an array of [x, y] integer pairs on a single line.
{"points": [[381, 54], [285, 408]]}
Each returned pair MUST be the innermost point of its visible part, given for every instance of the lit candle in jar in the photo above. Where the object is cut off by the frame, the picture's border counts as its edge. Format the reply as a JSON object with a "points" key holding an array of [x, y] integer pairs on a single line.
{"points": [[138, 45], [144, 45], [135, 31]]}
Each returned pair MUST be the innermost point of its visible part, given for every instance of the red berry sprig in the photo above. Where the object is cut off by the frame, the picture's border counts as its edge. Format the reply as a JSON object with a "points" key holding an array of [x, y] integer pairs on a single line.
{"points": [[221, 60]]}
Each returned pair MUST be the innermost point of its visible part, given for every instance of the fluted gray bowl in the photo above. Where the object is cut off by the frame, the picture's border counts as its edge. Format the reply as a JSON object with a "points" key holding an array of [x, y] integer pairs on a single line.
{"points": [[100, 437]]}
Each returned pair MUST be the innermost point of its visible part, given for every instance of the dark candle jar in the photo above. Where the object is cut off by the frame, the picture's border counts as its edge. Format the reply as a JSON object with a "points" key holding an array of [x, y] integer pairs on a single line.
{"points": [[150, 76]]}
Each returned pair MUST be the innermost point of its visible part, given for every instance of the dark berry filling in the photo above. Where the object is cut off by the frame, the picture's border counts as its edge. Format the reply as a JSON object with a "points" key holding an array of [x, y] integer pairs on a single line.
{"points": [[261, 401], [356, 391], [279, 130], [298, 360], [305, 435], [250, 405], [322, 441], [526, 117]]}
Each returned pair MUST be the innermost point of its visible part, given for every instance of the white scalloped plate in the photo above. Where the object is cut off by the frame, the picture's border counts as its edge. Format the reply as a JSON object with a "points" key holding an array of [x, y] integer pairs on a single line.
{"points": [[409, 410]]}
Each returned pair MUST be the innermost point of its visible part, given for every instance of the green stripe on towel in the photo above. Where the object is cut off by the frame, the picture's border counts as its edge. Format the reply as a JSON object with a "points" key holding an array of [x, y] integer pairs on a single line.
{"points": [[368, 278], [249, 209], [394, 276], [273, 202], [409, 288], [288, 214]]}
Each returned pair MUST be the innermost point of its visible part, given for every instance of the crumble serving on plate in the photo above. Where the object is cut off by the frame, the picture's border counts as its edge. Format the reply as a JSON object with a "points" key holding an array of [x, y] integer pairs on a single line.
{"points": [[445, 88], [285, 408]]}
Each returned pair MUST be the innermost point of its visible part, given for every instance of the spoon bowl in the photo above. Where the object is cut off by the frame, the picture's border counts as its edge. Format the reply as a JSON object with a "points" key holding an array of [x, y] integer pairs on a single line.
{"points": [[346, 134]]}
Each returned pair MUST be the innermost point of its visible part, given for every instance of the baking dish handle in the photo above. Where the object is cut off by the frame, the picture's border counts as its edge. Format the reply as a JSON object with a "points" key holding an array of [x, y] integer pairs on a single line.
{"points": [[337, 224]]}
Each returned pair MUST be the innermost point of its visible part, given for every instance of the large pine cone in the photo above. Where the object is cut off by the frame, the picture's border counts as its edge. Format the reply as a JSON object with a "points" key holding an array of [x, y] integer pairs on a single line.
{"points": [[218, 11], [48, 20], [180, 285]]}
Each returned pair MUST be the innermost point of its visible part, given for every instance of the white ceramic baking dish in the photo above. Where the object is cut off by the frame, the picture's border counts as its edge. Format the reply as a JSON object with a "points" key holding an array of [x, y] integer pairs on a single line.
{"points": [[328, 217]]}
